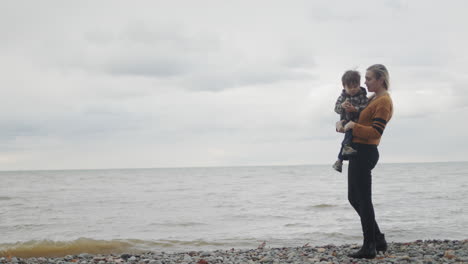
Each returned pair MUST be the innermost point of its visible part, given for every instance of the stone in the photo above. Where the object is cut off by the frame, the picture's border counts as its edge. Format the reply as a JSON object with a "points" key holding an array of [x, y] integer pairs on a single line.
{"points": [[450, 254], [85, 255], [321, 250], [187, 258], [125, 256]]}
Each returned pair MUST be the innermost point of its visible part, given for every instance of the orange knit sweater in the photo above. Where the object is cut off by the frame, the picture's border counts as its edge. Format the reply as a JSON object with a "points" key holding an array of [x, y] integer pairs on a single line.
{"points": [[372, 120]]}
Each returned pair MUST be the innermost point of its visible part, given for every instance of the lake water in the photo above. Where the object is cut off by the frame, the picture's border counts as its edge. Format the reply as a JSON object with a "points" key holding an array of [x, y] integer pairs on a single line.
{"points": [[46, 213]]}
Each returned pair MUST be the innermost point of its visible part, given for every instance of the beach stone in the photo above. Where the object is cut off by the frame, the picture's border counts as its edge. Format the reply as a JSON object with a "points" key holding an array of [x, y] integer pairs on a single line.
{"points": [[187, 258], [205, 254], [125, 256], [450, 254], [85, 255], [155, 262], [428, 261], [265, 259], [321, 250]]}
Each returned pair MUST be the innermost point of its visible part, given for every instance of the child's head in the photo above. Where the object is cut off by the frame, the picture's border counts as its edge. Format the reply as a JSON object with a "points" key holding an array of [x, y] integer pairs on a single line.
{"points": [[351, 82]]}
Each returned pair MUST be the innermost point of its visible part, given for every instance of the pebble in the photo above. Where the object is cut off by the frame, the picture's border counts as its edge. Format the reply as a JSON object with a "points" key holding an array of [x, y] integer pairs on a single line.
{"points": [[85, 255], [420, 252]]}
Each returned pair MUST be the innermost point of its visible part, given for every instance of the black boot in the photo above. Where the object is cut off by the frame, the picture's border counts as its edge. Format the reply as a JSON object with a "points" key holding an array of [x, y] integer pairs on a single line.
{"points": [[367, 251], [380, 243]]}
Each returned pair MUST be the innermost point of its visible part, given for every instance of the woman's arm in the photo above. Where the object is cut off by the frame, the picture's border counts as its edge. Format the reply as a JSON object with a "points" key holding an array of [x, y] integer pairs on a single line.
{"points": [[379, 122]]}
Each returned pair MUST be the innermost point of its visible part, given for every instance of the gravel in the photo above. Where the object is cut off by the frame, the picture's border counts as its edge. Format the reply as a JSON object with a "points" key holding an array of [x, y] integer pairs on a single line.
{"points": [[419, 252]]}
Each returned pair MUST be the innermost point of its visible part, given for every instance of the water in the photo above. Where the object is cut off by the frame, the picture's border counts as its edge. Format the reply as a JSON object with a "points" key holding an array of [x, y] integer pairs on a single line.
{"points": [[45, 213]]}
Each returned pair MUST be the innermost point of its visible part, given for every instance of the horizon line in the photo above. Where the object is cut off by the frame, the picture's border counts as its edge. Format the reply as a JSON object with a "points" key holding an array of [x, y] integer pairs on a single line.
{"points": [[216, 166]]}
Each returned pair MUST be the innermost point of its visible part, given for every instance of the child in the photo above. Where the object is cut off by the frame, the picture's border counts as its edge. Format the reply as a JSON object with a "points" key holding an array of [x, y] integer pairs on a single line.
{"points": [[349, 104]]}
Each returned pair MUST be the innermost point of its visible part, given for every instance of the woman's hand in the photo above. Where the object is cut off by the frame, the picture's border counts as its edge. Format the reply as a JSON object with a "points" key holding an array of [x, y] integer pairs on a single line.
{"points": [[349, 125], [339, 126]]}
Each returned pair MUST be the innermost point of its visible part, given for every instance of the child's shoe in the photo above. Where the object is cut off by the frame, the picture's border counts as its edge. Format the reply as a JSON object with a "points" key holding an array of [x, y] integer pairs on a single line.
{"points": [[338, 166], [348, 151]]}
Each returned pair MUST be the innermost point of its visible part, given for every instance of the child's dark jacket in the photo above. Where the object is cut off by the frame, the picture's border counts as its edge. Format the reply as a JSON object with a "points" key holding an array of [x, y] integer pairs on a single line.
{"points": [[359, 101]]}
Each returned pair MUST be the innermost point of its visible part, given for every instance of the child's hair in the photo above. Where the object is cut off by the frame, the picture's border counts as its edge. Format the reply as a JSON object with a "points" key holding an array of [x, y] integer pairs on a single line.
{"points": [[351, 78]]}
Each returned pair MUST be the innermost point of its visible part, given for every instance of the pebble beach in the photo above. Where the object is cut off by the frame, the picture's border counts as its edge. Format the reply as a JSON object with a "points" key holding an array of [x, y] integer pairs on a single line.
{"points": [[424, 252]]}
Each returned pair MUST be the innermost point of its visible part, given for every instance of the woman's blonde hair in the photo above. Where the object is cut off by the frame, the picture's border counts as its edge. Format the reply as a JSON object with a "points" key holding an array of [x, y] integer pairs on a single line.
{"points": [[380, 71]]}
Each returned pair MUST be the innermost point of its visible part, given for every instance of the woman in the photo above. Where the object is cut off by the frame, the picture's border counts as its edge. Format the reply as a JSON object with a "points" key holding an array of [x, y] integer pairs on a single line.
{"points": [[366, 136]]}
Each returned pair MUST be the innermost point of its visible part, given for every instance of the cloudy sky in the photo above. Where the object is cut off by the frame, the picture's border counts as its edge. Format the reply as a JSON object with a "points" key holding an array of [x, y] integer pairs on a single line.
{"points": [[113, 84]]}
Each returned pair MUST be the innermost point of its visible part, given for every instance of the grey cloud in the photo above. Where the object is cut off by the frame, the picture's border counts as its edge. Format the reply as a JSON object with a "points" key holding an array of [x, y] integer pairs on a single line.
{"points": [[336, 12], [150, 67], [93, 123], [219, 80], [460, 94], [299, 61], [420, 57], [12, 129], [397, 4], [200, 63]]}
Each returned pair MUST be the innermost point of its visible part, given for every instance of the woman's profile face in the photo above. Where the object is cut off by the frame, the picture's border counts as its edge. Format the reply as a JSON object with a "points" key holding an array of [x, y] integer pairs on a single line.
{"points": [[371, 82]]}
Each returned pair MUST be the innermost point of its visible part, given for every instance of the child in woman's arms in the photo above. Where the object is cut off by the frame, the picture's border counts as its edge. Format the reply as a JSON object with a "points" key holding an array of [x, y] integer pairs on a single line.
{"points": [[349, 104]]}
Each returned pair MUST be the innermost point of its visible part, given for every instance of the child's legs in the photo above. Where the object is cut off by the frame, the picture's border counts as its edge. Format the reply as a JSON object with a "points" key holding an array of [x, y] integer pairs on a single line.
{"points": [[348, 139], [340, 156]]}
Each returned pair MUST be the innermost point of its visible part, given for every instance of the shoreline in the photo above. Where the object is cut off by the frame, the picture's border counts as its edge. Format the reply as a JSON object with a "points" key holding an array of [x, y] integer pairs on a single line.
{"points": [[425, 252]]}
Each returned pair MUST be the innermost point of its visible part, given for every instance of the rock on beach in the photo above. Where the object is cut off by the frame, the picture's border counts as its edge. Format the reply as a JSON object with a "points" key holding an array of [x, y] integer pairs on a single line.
{"points": [[420, 252]]}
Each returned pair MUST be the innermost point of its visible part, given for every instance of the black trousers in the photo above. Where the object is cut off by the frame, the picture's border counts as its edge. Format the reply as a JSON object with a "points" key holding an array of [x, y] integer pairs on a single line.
{"points": [[360, 188]]}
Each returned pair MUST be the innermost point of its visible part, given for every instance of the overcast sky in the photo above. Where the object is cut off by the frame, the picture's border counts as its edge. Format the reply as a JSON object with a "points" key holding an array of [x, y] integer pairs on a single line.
{"points": [[128, 84]]}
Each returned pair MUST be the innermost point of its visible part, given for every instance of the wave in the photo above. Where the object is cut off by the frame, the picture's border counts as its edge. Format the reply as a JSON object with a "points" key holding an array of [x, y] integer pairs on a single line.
{"points": [[319, 206], [49, 248], [297, 225], [178, 224]]}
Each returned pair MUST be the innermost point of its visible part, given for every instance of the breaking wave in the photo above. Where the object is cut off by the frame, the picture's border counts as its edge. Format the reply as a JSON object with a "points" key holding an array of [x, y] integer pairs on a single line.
{"points": [[49, 248]]}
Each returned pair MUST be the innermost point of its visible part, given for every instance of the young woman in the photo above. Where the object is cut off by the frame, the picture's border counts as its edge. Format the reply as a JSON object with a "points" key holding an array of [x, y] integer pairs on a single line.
{"points": [[367, 133]]}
